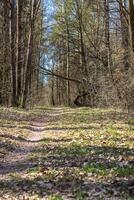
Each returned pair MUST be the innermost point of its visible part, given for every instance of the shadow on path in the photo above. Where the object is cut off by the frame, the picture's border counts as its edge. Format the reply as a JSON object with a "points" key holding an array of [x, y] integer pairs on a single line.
{"points": [[21, 139]]}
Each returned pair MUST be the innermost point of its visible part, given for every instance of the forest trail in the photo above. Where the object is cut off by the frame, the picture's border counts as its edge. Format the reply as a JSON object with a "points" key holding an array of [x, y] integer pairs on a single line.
{"points": [[18, 160], [66, 154], [14, 161]]}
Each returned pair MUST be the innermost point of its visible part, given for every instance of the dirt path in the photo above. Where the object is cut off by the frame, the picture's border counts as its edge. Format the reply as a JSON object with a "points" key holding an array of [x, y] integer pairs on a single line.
{"points": [[18, 160]]}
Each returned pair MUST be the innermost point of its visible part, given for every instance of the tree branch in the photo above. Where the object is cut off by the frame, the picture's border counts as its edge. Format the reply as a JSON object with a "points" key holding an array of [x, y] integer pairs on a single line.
{"points": [[51, 73]]}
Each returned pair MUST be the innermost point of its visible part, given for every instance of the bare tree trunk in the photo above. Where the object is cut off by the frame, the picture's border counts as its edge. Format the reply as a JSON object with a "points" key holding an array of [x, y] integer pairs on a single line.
{"points": [[6, 70], [53, 101], [19, 39], [67, 54], [83, 62], [68, 64], [29, 55], [125, 34], [131, 13], [13, 51], [35, 4], [108, 48], [52, 90]]}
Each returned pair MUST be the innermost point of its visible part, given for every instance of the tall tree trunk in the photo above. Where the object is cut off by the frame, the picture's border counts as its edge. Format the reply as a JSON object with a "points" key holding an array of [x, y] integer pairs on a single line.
{"points": [[52, 91], [131, 13], [108, 47], [68, 63], [67, 53], [35, 4], [6, 67], [29, 56], [125, 34], [19, 50], [13, 51], [83, 62]]}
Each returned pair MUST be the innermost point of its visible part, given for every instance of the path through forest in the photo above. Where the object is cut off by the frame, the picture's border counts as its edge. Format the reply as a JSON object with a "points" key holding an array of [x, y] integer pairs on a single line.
{"points": [[66, 153], [14, 161]]}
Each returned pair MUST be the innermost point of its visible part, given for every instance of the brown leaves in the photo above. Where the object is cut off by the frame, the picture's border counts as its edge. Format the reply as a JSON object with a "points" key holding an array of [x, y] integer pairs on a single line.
{"points": [[82, 154]]}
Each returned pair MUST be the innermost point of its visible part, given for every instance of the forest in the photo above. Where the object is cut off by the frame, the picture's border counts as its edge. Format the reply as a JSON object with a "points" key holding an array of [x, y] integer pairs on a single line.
{"points": [[67, 99]]}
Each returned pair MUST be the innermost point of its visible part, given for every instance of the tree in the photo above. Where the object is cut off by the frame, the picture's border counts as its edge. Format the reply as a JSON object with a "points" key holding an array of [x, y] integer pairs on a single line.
{"points": [[131, 14]]}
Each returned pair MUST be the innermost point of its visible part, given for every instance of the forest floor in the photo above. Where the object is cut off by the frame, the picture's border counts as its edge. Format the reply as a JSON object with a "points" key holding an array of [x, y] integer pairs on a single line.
{"points": [[66, 153]]}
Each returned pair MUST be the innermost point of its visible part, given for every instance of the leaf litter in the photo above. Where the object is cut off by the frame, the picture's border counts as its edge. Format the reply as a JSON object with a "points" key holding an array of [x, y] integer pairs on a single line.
{"points": [[66, 153]]}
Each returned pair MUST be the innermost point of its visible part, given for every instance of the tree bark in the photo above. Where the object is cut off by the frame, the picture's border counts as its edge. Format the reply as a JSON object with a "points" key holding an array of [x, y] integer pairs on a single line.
{"points": [[13, 51], [125, 35], [131, 13], [29, 56], [19, 39], [108, 47]]}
